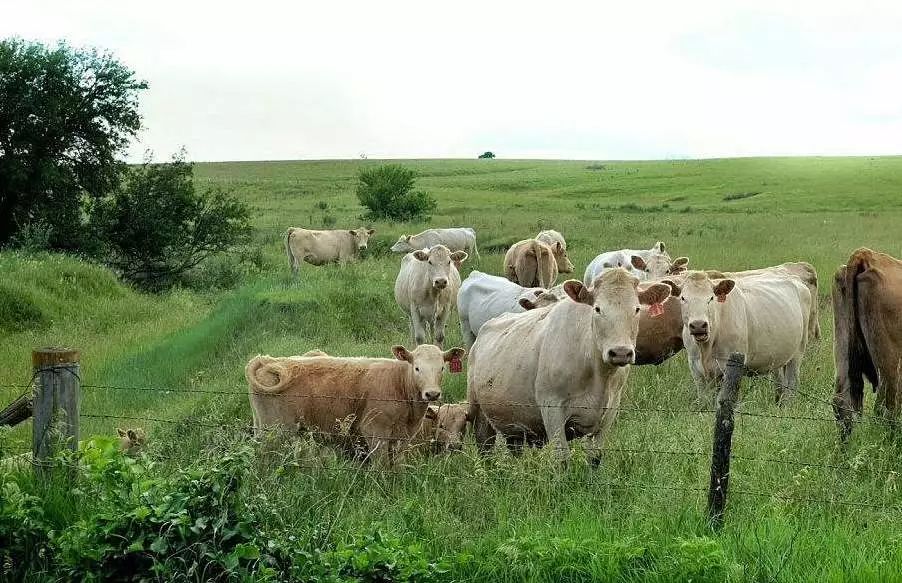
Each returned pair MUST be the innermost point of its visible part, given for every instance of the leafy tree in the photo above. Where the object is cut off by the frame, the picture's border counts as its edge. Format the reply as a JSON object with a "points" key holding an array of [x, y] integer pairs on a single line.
{"points": [[387, 191], [157, 227], [65, 116], [487, 155]]}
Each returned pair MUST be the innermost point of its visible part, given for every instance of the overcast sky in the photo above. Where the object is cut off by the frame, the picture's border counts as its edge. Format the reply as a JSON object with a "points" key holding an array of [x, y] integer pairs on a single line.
{"points": [[597, 80]]}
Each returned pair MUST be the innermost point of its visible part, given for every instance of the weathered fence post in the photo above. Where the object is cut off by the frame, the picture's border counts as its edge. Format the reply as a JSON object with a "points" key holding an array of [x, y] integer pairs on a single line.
{"points": [[56, 395], [723, 439], [17, 411]]}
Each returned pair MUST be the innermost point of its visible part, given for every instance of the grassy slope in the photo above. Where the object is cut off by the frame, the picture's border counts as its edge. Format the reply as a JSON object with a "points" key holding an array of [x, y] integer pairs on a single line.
{"points": [[522, 518]]}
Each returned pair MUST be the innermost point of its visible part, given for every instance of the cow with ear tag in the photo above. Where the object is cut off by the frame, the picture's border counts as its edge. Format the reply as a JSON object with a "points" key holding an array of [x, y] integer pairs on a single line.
{"points": [[558, 373], [764, 317], [648, 264]]}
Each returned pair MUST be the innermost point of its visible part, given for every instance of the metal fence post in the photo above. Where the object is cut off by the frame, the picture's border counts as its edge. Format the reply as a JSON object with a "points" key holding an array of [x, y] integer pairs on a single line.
{"points": [[723, 439], [57, 389]]}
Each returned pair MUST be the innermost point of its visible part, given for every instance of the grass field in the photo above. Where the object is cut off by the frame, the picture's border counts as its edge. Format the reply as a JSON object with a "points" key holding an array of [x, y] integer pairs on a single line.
{"points": [[640, 516]]}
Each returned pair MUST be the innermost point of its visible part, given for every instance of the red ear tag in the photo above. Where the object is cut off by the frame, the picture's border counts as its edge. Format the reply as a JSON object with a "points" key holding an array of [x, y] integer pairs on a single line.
{"points": [[655, 310], [722, 299], [454, 365]]}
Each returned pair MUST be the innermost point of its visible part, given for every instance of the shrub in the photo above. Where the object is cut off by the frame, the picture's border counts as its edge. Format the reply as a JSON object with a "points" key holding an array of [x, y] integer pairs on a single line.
{"points": [[329, 221], [487, 155], [387, 191]]}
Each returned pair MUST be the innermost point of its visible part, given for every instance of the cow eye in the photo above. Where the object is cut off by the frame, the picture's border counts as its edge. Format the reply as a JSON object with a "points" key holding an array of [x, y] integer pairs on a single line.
{"points": [[637, 309], [711, 298], [682, 298], [597, 310], [416, 368]]}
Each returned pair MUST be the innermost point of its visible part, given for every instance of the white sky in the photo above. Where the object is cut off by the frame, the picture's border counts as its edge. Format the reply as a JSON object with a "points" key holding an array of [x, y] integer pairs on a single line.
{"points": [[595, 80]]}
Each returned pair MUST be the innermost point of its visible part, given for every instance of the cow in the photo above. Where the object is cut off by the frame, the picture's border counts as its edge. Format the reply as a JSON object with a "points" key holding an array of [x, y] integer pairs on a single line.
{"points": [[654, 263], [483, 296], [803, 271], [559, 247], [867, 342], [321, 247], [765, 317], [131, 441], [455, 239], [382, 400], [444, 427], [426, 287], [531, 263], [558, 373]]}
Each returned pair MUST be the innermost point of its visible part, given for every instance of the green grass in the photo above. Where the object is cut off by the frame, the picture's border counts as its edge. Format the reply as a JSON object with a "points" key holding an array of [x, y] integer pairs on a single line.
{"points": [[638, 517]]}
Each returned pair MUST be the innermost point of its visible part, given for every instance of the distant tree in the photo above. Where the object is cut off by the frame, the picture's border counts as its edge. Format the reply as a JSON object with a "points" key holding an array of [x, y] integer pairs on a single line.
{"points": [[387, 191], [66, 115], [487, 155], [157, 226]]}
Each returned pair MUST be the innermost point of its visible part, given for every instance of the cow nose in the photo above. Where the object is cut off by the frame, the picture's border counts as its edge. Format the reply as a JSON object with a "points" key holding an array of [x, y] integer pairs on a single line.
{"points": [[440, 283], [432, 395], [698, 327], [620, 355]]}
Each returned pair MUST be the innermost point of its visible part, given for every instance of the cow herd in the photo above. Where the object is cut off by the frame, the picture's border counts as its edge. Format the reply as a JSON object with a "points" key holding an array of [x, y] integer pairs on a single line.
{"points": [[548, 363]]}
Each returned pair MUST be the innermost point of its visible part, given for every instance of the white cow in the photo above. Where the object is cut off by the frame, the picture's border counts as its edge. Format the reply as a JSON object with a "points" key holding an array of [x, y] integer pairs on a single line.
{"points": [[426, 287], [483, 296], [559, 248], [321, 247], [455, 239], [653, 263], [558, 372], [764, 317]]}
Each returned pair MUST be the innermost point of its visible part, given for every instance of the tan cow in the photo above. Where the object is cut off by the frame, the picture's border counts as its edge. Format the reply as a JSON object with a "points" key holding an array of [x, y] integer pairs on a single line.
{"points": [[454, 238], [531, 263], [426, 288], [559, 247], [867, 320], [131, 441], [383, 399], [444, 427], [321, 247], [799, 269], [558, 372], [765, 317]]}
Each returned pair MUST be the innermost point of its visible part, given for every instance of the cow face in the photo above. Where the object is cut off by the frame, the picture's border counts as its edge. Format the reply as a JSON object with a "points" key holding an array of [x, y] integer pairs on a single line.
{"points": [[361, 236], [449, 424], [657, 266], [615, 302], [564, 265], [402, 245], [701, 300], [536, 297], [427, 363], [438, 262]]}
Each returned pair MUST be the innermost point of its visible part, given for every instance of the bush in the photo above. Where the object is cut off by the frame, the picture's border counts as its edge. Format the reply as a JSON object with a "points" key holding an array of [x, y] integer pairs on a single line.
{"points": [[487, 155], [158, 227], [387, 191]]}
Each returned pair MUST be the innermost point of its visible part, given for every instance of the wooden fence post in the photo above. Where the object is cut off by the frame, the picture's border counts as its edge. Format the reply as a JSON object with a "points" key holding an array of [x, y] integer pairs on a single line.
{"points": [[57, 389], [723, 439]]}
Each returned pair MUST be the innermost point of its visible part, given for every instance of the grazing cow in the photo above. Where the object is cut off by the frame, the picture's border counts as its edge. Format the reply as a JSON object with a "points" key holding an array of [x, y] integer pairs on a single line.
{"points": [[426, 287], [559, 247], [483, 296], [867, 308], [803, 271], [654, 263], [455, 239], [383, 400], [558, 373], [531, 263], [444, 427], [321, 247], [764, 317]]}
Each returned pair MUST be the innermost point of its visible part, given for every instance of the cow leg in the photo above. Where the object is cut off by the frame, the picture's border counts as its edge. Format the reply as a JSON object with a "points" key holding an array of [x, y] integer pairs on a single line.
{"points": [[554, 418], [418, 326], [439, 328], [468, 337], [791, 378], [483, 431]]}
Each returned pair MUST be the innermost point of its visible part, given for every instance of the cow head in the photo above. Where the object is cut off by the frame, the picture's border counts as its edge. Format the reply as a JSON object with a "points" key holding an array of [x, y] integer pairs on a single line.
{"points": [[402, 245], [656, 266], [426, 365], [437, 261], [536, 298], [564, 265], [615, 303], [361, 236], [679, 265], [701, 300], [131, 441], [449, 422]]}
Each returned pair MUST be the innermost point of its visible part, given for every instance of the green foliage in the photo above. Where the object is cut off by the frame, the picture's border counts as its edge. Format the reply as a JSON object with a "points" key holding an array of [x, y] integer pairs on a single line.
{"points": [[65, 116], [487, 155], [388, 192], [23, 531], [159, 226], [740, 195]]}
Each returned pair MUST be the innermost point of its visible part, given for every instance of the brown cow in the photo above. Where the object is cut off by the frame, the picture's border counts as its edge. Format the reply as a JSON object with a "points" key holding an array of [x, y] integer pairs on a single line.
{"points": [[867, 306], [383, 399], [531, 263]]}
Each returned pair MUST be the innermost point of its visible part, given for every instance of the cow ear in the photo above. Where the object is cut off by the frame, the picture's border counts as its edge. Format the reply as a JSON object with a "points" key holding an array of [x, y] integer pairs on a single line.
{"points": [[421, 254], [723, 287], [558, 248], [675, 288], [659, 246], [370, 231], [432, 412], [353, 233], [654, 294], [459, 256], [578, 292], [455, 353], [638, 262], [401, 353], [132, 435], [121, 432], [527, 304]]}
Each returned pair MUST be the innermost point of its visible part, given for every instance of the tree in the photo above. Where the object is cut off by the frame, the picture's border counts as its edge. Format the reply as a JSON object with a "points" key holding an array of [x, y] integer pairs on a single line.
{"points": [[157, 226], [66, 115], [487, 155], [387, 191]]}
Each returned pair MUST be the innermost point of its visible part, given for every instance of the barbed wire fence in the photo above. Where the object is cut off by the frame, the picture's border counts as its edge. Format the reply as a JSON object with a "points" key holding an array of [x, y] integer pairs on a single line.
{"points": [[53, 399]]}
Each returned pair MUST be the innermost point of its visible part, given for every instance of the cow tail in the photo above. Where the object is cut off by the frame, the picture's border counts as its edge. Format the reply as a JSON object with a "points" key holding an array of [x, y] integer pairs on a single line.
{"points": [[267, 375]]}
